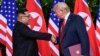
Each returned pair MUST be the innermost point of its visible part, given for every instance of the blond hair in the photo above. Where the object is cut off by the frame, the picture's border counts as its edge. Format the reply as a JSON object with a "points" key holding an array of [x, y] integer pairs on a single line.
{"points": [[62, 6]]}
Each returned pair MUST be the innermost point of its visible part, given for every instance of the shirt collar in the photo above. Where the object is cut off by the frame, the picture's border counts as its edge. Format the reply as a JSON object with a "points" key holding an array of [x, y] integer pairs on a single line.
{"points": [[66, 17]]}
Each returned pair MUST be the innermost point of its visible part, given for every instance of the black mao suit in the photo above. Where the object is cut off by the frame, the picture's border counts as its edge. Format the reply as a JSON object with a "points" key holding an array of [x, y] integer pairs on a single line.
{"points": [[24, 40], [75, 33]]}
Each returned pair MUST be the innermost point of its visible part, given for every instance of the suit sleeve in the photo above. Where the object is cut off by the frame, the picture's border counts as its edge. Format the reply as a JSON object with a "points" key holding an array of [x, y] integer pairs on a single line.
{"points": [[31, 34], [83, 36]]}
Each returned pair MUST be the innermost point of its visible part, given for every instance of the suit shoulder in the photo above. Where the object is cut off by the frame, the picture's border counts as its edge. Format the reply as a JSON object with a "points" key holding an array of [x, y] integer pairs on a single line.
{"points": [[78, 17], [75, 15]]}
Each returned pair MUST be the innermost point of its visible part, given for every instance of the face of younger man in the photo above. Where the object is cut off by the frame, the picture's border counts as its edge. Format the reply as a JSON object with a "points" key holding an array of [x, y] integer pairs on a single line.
{"points": [[24, 18]]}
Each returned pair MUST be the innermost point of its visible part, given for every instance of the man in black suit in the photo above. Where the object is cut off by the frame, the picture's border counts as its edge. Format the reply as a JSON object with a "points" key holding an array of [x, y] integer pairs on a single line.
{"points": [[24, 39], [74, 30]]}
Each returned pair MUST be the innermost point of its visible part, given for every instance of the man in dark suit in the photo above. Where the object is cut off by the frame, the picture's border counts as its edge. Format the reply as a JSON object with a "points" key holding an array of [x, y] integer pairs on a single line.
{"points": [[24, 39], [74, 30]]}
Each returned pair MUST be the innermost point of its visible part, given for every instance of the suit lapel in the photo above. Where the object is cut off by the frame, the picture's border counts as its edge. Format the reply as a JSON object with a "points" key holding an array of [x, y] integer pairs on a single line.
{"points": [[67, 24]]}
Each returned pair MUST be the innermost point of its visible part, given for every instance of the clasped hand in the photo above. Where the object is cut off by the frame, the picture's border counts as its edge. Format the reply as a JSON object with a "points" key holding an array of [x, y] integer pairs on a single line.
{"points": [[53, 39]]}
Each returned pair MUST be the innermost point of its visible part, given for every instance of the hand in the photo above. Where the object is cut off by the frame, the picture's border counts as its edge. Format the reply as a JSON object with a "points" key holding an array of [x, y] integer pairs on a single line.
{"points": [[53, 39]]}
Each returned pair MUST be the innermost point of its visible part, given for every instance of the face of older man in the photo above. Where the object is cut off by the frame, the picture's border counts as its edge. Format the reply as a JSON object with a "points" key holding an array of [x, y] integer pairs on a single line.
{"points": [[61, 9], [59, 13]]}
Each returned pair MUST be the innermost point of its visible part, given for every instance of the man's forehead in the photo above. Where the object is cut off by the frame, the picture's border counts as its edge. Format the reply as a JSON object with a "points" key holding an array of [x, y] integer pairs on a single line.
{"points": [[25, 13]]}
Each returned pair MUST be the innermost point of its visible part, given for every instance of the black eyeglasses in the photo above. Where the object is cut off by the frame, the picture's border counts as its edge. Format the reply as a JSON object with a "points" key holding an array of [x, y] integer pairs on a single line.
{"points": [[26, 16]]}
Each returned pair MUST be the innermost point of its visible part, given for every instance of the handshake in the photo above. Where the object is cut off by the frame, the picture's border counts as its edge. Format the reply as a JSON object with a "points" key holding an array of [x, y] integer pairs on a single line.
{"points": [[53, 39]]}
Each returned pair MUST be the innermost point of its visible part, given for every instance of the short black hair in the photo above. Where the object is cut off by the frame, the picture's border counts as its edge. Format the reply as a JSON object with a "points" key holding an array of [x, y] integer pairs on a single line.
{"points": [[21, 11]]}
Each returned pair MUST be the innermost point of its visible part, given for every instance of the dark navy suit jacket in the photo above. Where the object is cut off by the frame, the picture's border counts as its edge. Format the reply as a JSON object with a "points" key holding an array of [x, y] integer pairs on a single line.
{"points": [[75, 33]]}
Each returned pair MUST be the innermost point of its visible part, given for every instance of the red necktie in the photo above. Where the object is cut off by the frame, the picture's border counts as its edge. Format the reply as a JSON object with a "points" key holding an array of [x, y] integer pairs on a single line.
{"points": [[62, 30], [62, 34]]}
